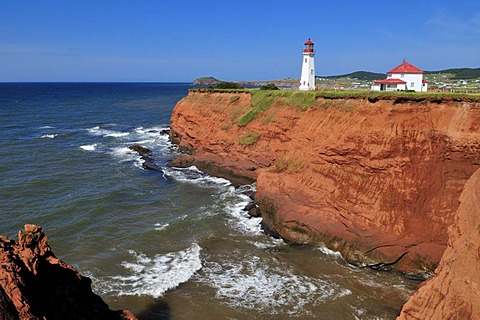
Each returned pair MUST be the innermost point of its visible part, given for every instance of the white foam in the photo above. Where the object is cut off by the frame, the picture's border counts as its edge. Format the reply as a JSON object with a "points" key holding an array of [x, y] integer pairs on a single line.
{"points": [[49, 136], [97, 131], [126, 154], [240, 218], [330, 252], [117, 134], [89, 147], [152, 276], [46, 127], [195, 176], [251, 284], [159, 226]]}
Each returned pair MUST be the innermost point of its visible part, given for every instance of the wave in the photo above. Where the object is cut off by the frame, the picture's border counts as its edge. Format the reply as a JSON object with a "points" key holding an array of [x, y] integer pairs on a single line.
{"points": [[46, 127], [154, 138], [160, 226], [49, 136], [97, 131], [330, 252], [89, 147], [237, 215], [252, 284], [152, 276], [194, 176]]}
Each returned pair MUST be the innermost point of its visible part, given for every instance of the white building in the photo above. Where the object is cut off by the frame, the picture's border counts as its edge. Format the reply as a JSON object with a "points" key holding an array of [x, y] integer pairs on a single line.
{"points": [[404, 77], [307, 80]]}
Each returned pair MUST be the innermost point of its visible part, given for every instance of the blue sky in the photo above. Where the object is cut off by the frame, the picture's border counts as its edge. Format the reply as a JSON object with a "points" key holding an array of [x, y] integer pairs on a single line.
{"points": [[178, 40]]}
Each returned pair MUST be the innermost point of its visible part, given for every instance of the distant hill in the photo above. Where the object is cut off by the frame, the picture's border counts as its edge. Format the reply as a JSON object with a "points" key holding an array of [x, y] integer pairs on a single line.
{"points": [[457, 73], [206, 81], [360, 75], [460, 73]]}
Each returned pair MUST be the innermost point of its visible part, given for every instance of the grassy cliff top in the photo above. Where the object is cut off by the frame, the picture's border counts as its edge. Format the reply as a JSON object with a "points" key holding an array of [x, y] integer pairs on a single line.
{"points": [[398, 96]]}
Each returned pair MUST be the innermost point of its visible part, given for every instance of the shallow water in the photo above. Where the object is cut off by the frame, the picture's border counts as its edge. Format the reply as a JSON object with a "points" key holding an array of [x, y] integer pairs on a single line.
{"points": [[174, 244]]}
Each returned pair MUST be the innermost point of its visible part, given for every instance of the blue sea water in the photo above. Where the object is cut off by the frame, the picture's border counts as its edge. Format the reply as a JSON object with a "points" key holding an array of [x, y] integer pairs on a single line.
{"points": [[174, 244]]}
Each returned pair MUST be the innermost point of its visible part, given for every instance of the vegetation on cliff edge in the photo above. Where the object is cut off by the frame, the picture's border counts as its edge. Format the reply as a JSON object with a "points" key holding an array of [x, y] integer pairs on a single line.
{"points": [[262, 100]]}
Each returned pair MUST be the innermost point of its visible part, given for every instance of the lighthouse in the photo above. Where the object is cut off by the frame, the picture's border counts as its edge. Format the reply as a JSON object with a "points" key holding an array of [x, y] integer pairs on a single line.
{"points": [[307, 81]]}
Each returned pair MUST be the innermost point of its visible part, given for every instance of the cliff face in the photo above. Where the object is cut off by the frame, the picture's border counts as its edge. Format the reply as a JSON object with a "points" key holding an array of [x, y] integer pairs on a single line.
{"points": [[454, 292], [378, 181], [34, 284]]}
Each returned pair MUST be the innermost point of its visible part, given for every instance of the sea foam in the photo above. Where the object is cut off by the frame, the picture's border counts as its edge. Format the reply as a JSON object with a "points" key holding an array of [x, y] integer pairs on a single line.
{"points": [[49, 136], [153, 276], [253, 285], [89, 147], [194, 176]]}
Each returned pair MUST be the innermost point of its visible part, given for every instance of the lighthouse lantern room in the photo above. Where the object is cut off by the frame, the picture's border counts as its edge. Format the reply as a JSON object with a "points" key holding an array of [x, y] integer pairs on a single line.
{"points": [[307, 80]]}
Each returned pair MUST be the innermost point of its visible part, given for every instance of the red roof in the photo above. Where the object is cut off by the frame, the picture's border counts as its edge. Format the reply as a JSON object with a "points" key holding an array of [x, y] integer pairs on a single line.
{"points": [[405, 67], [390, 81], [309, 42]]}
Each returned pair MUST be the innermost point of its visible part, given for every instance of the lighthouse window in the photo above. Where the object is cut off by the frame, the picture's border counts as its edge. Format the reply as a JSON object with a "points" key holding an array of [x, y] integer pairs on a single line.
{"points": [[305, 60], [311, 71]]}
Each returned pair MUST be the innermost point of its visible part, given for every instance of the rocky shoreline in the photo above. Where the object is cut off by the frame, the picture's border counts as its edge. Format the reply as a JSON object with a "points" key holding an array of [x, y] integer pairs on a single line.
{"points": [[378, 181], [34, 284]]}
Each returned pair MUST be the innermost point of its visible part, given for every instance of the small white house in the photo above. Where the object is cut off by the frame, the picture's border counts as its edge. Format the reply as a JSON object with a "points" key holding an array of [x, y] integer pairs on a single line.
{"points": [[404, 77]]}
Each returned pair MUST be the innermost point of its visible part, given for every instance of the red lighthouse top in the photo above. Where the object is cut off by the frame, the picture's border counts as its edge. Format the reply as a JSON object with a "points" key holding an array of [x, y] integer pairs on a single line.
{"points": [[308, 46]]}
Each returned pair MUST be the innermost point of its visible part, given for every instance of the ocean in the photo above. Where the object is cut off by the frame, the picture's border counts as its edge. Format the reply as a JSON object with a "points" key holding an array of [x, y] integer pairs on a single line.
{"points": [[169, 244]]}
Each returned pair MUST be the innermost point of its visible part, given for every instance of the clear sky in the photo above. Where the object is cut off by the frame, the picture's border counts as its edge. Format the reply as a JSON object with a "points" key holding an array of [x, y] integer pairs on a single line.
{"points": [[180, 40]]}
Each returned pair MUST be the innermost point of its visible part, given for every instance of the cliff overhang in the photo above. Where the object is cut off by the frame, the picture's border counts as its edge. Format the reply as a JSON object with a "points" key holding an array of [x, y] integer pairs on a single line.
{"points": [[376, 176]]}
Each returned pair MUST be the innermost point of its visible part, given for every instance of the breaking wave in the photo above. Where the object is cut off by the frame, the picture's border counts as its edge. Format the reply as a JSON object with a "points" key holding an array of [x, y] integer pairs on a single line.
{"points": [[152, 276]]}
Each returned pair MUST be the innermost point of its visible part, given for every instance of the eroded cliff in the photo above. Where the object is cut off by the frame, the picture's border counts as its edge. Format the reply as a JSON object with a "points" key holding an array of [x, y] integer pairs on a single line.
{"points": [[34, 284], [376, 179], [454, 291]]}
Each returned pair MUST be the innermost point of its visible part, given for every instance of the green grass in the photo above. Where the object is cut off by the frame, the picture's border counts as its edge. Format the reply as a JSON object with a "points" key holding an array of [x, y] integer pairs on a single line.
{"points": [[299, 96], [249, 138], [234, 98], [398, 96], [261, 101], [283, 164], [301, 99]]}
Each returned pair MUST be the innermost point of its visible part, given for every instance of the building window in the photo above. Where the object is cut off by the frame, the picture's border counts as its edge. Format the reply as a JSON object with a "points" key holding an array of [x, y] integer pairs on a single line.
{"points": [[311, 72], [412, 84], [402, 75]]}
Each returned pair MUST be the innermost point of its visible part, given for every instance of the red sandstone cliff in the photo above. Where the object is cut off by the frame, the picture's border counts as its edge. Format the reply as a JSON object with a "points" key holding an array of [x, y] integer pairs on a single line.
{"points": [[454, 292], [34, 284], [378, 181]]}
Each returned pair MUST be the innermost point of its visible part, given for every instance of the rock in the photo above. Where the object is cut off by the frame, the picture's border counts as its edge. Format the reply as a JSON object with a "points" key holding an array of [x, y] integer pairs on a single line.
{"points": [[453, 293], [378, 181], [146, 156], [252, 210], [141, 150], [34, 284]]}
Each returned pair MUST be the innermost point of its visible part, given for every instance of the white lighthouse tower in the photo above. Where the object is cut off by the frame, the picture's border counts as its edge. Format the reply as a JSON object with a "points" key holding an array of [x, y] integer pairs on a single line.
{"points": [[307, 81]]}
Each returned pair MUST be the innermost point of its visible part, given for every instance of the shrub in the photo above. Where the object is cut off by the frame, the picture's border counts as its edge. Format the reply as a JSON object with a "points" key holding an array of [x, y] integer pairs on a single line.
{"points": [[261, 101], [269, 86], [228, 85], [249, 138]]}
